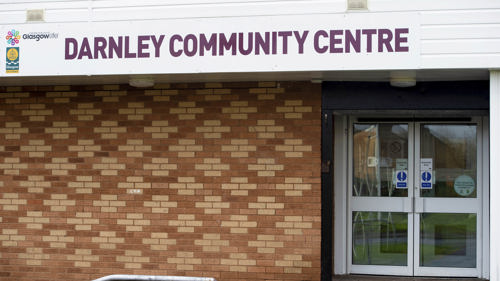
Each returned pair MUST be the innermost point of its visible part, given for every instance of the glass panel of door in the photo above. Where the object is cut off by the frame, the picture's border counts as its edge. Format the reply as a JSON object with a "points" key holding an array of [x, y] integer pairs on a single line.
{"points": [[414, 207]]}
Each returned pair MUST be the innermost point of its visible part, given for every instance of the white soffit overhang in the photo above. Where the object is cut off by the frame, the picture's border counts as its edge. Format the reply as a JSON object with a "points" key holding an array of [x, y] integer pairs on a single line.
{"points": [[382, 76]]}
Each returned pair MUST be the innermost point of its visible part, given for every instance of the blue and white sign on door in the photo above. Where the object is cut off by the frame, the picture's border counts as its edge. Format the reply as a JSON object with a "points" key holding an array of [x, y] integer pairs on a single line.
{"points": [[401, 179], [426, 173], [426, 180]]}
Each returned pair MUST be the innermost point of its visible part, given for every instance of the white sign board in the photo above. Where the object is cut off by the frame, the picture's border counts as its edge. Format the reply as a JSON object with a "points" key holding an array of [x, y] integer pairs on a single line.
{"points": [[353, 41]]}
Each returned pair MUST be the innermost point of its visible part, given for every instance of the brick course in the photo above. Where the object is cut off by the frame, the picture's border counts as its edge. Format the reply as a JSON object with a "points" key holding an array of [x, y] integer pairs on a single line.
{"points": [[203, 179]]}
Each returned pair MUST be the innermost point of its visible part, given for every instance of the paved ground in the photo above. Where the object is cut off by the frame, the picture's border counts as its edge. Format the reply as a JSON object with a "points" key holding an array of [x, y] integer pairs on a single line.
{"points": [[395, 278]]}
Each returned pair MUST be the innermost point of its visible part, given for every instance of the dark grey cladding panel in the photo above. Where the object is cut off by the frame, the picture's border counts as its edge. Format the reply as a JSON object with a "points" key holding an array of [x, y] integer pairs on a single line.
{"points": [[449, 95]]}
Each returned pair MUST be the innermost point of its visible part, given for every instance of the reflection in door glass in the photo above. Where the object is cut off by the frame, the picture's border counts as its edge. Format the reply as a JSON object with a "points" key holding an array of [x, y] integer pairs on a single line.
{"points": [[380, 160], [448, 240], [380, 238], [452, 149]]}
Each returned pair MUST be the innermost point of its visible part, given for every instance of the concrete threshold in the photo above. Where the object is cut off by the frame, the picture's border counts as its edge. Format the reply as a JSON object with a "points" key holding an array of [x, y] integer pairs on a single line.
{"points": [[398, 278]]}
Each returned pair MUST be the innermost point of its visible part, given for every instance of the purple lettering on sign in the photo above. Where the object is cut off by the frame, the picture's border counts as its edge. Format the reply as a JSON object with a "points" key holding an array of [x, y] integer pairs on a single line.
{"points": [[128, 54], [100, 45], [384, 39], [70, 48], [369, 38], [241, 44], [301, 39], [317, 47], [285, 35], [225, 44], [85, 49], [173, 52], [141, 46], [211, 44], [400, 39], [190, 45], [262, 43], [115, 47], [274, 40], [335, 40], [157, 44], [354, 41]]}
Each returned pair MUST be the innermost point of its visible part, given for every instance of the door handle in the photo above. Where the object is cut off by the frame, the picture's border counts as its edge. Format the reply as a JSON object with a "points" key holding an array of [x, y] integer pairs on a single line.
{"points": [[419, 205], [407, 205]]}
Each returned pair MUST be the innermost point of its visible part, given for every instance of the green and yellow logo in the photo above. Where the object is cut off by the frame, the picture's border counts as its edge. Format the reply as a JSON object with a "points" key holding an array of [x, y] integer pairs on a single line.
{"points": [[12, 60]]}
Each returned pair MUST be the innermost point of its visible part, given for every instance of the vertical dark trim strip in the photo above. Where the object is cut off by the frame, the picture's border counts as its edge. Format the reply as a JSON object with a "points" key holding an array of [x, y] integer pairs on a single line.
{"points": [[326, 196]]}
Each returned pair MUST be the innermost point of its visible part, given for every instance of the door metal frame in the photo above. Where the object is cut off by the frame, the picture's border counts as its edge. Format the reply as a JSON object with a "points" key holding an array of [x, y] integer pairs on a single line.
{"points": [[342, 200], [442, 205], [404, 205]]}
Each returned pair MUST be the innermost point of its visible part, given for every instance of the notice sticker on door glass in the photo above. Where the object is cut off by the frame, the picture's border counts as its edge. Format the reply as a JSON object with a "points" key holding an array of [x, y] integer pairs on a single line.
{"points": [[401, 179], [426, 173], [464, 185], [401, 164]]}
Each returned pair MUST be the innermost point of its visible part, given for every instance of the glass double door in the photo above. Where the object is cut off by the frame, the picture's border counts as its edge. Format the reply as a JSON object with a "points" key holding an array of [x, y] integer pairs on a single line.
{"points": [[415, 193]]}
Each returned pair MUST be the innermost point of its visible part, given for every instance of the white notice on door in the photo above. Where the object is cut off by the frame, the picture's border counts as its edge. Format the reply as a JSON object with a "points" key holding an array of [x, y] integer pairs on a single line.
{"points": [[426, 173], [401, 164]]}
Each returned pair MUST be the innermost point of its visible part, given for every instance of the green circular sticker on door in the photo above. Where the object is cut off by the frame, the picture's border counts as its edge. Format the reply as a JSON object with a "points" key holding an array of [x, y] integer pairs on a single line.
{"points": [[464, 185]]}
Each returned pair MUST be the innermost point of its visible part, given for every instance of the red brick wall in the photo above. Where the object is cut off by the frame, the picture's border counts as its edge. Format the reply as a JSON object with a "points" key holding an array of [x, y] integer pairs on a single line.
{"points": [[216, 180]]}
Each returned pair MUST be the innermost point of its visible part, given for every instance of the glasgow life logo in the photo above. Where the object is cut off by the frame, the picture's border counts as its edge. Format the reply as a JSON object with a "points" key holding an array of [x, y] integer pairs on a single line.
{"points": [[37, 36]]}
